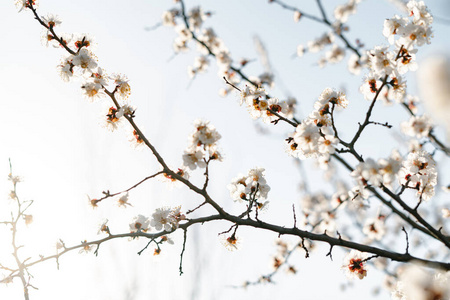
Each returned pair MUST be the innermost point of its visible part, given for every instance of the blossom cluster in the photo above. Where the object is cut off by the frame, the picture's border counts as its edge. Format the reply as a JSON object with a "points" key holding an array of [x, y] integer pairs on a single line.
{"points": [[419, 172], [250, 187], [417, 126], [319, 213], [202, 146], [209, 45], [162, 219], [343, 11], [260, 105], [336, 53], [379, 172], [387, 67], [314, 137], [81, 63]]}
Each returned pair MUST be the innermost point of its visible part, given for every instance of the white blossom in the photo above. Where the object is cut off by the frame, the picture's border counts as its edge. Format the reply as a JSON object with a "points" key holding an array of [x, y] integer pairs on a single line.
{"points": [[139, 223], [253, 185], [354, 265]]}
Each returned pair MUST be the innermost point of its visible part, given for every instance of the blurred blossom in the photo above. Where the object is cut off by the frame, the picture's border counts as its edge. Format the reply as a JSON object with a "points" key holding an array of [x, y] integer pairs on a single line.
{"points": [[434, 84]]}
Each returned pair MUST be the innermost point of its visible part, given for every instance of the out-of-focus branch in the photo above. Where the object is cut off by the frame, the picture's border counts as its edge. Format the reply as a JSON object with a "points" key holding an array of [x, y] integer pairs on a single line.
{"points": [[109, 195], [324, 20]]}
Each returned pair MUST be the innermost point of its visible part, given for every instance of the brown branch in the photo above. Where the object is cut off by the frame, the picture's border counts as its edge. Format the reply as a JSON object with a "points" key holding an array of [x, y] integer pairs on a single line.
{"points": [[109, 195]]}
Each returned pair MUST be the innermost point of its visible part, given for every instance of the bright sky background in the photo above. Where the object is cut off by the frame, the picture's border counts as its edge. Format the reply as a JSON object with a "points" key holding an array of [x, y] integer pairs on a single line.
{"points": [[54, 140]]}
